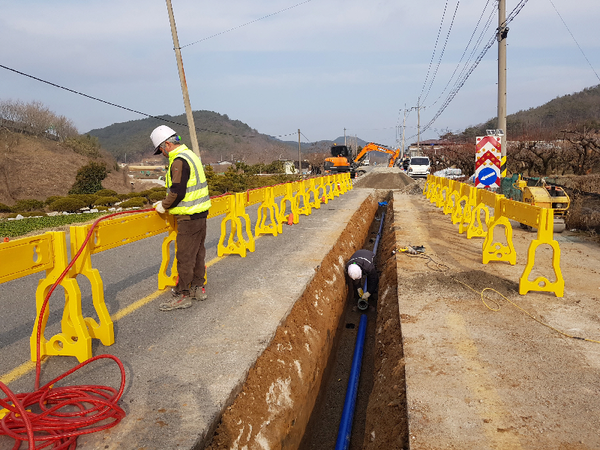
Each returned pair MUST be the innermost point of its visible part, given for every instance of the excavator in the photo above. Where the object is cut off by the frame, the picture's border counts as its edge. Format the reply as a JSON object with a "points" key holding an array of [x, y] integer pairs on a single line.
{"points": [[341, 160]]}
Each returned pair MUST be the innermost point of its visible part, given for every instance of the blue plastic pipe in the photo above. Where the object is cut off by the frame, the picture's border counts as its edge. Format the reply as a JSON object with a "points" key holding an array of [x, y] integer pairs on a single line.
{"points": [[345, 429], [379, 233], [363, 304]]}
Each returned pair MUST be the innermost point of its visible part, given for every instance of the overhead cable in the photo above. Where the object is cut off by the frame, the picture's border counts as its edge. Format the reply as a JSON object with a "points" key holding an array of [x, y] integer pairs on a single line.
{"points": [[462, 81], [467, 48], [577, 43], [441, 54], [243, 25], [122, 107], [434, 50]]}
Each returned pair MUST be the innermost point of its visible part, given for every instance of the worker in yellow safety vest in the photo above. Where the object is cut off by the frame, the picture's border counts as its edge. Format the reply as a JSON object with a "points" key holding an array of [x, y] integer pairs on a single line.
{"points": [[188, 200]]}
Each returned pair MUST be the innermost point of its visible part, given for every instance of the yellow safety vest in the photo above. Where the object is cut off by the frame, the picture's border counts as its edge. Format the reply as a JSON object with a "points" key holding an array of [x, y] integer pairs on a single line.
{"points": [[196, 198]]}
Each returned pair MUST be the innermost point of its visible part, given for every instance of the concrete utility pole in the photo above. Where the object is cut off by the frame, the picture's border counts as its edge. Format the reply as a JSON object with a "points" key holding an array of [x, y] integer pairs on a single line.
{"points": [[344, 136], [299, 157], [403, 129], [418, 108], [184, 90], [501, 36]]}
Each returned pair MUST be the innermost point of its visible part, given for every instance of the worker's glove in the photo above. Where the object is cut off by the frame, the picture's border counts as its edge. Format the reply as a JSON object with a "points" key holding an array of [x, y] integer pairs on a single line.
{"points": [[366, 296], [158, 206]]}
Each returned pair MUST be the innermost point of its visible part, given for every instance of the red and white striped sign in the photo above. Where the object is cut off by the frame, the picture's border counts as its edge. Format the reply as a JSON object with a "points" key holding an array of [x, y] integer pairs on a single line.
{"points": [[487, 162]]}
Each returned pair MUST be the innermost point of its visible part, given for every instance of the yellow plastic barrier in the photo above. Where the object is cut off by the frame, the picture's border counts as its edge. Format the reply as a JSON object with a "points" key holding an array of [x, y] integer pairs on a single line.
{"points": [[266, 211], [452, 195], [483, 199], [543, 220], [443, 193], [74, 338], [428, 184], [237, 244], [288, 198], [497, 251], [461, 199], [25, 256], [302, 198], [110, 234], [470, 203], [314, 190], [329, 187]]}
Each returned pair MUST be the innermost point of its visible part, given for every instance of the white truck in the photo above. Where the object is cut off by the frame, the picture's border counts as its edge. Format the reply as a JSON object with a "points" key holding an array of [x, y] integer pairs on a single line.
{"points": [[419, 167]]}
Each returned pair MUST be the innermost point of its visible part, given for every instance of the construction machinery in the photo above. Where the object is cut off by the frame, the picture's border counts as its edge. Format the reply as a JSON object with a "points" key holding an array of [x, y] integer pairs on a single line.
{"points": [[341, 159], [537, 192]]}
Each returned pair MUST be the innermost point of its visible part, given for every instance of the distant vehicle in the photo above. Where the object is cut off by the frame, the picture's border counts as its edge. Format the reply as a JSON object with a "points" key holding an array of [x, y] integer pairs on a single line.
{"points": [[419, 166], [365, 162]]}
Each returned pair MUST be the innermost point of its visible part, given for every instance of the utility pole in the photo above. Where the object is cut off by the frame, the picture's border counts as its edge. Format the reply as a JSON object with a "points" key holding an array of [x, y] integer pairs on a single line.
{"points": [[501, 36], [403, 129], [419, 129], [344, 136], [418, 108], [299, 157], [184, 90]]}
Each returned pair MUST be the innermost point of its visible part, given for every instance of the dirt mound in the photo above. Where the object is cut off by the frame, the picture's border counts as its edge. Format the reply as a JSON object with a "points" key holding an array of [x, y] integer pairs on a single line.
{"points": [[384, 178]]}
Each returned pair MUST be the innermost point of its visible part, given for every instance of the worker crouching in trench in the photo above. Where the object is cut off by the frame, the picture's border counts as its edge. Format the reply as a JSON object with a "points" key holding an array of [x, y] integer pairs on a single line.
{"points": [[360, 268]]}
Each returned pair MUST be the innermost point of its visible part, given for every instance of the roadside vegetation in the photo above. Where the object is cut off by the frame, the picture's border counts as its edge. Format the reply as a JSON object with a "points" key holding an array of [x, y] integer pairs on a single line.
{"points": [[87, 200]]}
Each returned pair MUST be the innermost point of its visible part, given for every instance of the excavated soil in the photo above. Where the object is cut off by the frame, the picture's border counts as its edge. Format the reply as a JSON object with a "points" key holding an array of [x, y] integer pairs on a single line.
{"points": [[282, 387]]}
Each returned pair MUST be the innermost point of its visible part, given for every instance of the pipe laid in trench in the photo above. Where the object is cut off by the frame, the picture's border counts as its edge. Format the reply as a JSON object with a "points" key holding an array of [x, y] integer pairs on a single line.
{"points": [[345, 429], [362, 303]]}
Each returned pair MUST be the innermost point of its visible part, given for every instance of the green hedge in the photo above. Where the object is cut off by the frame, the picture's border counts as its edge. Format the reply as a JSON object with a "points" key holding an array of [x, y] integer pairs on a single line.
{"points": [[67, 204], [136, 202]]}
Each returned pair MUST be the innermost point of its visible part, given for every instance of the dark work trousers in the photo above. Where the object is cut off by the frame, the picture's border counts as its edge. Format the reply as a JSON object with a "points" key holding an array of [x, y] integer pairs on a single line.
{"points": [[191, 252]]}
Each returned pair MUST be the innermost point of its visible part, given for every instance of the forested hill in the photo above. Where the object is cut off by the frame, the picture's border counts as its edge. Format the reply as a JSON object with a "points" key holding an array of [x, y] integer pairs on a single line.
{"points": [[219, 138], [562, 113]]}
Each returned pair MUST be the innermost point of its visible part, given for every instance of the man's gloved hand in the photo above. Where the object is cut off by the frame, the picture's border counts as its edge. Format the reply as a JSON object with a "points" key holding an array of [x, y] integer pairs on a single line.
{"points": [[158, 206], [366, 296]]}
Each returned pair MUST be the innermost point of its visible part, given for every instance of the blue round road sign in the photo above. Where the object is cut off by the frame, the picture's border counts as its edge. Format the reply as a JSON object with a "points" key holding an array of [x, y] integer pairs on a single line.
{"points": [[487, 176]]}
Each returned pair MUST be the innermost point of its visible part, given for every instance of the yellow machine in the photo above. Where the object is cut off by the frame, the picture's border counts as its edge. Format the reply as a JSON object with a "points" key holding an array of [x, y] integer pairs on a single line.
{"points": [[546, 196], [341, 160]]}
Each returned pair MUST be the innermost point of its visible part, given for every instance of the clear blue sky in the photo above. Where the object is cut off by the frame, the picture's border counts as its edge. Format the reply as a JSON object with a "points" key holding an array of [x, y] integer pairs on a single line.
{"points": [[321, 66]]}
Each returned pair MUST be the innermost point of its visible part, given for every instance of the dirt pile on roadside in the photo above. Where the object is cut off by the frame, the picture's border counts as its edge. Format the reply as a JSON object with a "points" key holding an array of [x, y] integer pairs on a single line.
{"points": [[384, 178]]}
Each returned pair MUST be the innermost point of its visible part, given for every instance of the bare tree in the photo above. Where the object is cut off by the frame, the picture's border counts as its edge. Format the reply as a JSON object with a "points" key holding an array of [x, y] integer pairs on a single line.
{"points": [[36, 119], [585, 150]]}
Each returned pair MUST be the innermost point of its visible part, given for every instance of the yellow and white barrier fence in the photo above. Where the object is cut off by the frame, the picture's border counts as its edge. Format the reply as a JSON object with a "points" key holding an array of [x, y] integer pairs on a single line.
{"points": [[466, 204], [30, 255]]}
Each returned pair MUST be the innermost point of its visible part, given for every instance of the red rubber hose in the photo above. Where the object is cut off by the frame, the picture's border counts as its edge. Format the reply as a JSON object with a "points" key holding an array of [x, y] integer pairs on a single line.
{"points": [[61, 414]]}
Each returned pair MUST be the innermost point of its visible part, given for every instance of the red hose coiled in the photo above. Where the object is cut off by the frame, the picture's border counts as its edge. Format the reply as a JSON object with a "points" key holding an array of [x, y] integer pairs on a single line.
{"points": [[62, 414]]}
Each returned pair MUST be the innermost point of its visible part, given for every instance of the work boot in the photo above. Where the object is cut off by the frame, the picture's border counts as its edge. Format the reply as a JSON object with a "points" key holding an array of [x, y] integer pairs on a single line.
{"points": [[179, 300], [198, 293]]}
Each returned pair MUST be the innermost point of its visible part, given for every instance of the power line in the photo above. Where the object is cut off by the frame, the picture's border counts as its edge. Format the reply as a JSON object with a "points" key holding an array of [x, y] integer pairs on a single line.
{"points": [[442, 52], [578, 46], [434, 50], [119, 106], [486, 26], [245, 24], [460, 83]]}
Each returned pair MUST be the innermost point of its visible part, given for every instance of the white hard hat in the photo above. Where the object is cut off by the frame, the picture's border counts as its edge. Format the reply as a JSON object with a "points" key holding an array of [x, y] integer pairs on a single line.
{"points": [[159, 135], [354, 271]]}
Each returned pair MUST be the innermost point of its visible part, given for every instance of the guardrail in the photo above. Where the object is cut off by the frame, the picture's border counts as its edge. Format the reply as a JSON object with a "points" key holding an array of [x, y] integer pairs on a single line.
{"points": [[26, 256], [466, 204]]}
